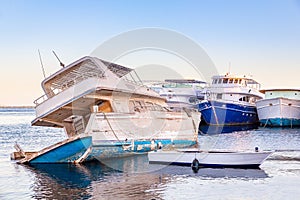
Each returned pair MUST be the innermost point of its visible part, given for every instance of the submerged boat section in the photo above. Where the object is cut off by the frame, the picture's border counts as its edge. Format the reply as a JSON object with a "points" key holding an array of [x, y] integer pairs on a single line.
{"points": [[72, 150]]}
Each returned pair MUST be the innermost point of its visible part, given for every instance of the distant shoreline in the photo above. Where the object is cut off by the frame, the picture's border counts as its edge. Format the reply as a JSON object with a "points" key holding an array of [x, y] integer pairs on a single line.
{"points": [[16, 106]]}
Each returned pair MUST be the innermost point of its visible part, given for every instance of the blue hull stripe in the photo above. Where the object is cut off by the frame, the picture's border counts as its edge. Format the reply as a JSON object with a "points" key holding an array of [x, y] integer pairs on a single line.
{"points": [[104, 151], [280, 122]]}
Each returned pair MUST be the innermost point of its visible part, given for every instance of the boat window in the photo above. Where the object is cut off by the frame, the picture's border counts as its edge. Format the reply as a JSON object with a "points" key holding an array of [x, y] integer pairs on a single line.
{"points": [[231, 80], [236, 80], [193, 100], [245, 98], [225, 80], [219, 96], [158, 107], [138, 103], [139, 106], [215, 81], [149, 106], [220, 81], [104, 106], [240, 81]]}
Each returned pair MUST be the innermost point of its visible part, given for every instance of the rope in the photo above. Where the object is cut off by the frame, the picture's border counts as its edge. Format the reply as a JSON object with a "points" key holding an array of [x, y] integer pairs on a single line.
{"points": [[105, 117], [109, 124], [190, 115]]}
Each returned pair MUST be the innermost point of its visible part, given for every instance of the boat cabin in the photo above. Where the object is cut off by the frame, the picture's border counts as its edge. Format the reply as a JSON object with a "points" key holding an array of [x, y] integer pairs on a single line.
{"points": [[75, 91], [282, 93], [180, 92], [241, 89], [233, 81]]}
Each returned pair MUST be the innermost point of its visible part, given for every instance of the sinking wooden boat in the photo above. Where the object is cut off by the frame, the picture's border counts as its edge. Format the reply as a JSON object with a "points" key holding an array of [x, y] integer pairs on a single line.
{"points": [[214, 159], [71, 150]]}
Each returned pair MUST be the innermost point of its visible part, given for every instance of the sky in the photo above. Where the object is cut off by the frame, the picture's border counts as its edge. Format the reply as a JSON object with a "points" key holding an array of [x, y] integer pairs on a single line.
{"points": [[254, 37]]}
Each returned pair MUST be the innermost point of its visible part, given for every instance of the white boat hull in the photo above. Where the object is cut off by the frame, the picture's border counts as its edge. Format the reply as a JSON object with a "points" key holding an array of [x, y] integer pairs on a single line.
{"points": [[279, 112], [121, 134], [209, 159]]}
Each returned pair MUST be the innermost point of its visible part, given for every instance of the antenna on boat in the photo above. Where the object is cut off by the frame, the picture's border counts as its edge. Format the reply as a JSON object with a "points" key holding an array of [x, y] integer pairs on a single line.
{"points": [[61, 64], [42, 64]]}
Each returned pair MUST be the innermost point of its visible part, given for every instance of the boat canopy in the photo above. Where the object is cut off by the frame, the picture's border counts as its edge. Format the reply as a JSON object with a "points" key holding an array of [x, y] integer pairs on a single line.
{"points": [[185, 81], [119, 70], [82, 69]]}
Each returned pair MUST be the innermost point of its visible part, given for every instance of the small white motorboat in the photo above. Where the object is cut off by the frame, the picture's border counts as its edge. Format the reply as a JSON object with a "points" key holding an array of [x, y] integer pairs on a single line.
{"points": [[214, 159]]}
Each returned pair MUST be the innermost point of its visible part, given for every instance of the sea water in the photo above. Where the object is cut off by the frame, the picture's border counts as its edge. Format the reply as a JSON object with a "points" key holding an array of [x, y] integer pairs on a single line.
{"points": [[134, 178]]}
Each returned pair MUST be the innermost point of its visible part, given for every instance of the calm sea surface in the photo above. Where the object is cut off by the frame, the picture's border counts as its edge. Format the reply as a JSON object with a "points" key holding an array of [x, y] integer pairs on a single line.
{"points": [[134, 178]]}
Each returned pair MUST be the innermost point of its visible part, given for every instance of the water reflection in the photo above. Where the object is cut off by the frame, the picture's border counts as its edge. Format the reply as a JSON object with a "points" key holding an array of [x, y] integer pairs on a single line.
{"points": [[92, 180], [126, 178], [206, 129]]}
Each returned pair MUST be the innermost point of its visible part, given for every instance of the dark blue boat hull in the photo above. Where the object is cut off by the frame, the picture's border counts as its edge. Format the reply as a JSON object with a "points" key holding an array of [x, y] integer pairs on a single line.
{"points": [[207, 129], [221, 113]]}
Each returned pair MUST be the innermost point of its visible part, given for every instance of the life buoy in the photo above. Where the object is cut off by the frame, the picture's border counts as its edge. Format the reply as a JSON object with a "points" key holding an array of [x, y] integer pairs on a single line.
{"points": [[195, 165]]}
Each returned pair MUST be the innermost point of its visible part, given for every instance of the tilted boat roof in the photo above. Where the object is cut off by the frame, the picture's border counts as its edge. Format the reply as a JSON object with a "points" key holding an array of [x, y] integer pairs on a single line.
{"points": [[78, 67], [119, 70]]}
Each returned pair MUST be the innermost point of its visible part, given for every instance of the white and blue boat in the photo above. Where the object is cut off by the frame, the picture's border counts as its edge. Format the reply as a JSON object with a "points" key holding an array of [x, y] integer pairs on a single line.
{"points": [[180, 93], [107, 102], [230, 100], [281, 107]]}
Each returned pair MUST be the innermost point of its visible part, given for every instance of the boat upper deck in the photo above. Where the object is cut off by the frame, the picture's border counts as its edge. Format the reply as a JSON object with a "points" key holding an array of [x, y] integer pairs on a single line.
{"points": [[232, 88], [84, 83], [282, 93], [234, 81], [82, 69]]}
